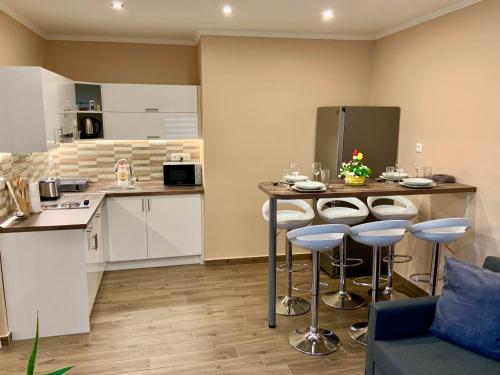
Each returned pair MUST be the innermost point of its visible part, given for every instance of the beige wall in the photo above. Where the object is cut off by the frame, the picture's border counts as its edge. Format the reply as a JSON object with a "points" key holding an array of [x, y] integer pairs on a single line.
{"points": [[445, 75], [123, 62], [18, 45], [259, 101]]}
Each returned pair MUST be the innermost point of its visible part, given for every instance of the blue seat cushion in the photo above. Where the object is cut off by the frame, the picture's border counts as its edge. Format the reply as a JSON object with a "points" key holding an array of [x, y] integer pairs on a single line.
{"points": [[429, 355], [468, 311]]}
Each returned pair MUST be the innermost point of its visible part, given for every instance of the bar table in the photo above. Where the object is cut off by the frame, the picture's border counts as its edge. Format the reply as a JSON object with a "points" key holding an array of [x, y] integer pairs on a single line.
{"points": [[337, 189]]}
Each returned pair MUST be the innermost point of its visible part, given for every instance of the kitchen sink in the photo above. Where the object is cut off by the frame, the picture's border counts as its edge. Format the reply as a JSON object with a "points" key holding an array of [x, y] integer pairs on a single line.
{"points": [[114, 188]]}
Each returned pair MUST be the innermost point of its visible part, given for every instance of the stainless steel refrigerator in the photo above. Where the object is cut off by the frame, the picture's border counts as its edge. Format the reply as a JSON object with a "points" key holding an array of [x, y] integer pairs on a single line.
{"points": [[340, 130]]}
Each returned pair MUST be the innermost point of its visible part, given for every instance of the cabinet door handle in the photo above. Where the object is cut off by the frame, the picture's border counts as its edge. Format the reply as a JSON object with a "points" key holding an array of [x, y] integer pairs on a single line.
{"points": [[96, 242], [152, 137], [149, 204], [151, 109], [142, 201]]}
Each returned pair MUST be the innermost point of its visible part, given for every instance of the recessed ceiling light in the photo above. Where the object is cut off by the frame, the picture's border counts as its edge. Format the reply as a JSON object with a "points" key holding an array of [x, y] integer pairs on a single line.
{"points": [[327, 14], [116, 5], [227, 10]]}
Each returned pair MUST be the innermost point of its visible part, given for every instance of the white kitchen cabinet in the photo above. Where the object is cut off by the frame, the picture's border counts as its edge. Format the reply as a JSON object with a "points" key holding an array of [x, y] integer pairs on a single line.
{"points": [[118, 97], [95, 256], [174, 225], [123, 126], [127, 228], [154, 227], [31, 99]]}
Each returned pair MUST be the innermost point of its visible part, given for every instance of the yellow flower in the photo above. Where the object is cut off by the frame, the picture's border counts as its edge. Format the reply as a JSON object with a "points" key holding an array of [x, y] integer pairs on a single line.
{"points": [[360, 156]]}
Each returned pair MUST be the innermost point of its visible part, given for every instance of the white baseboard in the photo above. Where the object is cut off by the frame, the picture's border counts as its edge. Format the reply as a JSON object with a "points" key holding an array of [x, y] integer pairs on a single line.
{"points": [[151, 263]]}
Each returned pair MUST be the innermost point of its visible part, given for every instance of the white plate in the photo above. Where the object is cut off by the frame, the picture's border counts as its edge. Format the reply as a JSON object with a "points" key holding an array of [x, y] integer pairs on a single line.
{"points": [[395, 175], [294, 187], [292, 178], [418, 181], [418, 186], [310, 185]]}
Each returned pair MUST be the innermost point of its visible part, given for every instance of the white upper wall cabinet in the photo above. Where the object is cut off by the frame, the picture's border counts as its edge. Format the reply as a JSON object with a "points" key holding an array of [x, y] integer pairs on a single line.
{"points": [[31, 99], [118, 97], [124, 126]]}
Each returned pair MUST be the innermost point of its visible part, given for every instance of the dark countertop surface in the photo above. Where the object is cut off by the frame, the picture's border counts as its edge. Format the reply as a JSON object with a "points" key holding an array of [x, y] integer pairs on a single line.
{"points": [[64, 219], [370, 188]]}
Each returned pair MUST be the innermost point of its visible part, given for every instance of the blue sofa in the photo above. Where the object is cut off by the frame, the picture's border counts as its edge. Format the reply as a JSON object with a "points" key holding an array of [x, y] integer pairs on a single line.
{"points": [[399, 341]]}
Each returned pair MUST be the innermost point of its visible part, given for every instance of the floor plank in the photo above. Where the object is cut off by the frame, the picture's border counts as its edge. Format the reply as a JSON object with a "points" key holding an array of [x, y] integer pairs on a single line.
{"points": [[195, 319]]}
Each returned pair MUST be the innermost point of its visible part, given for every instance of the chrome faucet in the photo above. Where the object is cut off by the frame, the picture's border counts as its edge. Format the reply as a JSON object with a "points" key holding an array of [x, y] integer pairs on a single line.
{"points": [[132, 180]]}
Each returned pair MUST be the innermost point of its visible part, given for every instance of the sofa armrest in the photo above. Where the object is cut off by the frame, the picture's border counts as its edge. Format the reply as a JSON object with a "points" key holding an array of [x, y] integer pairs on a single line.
{"points": [[398, 320], [492, 263]]}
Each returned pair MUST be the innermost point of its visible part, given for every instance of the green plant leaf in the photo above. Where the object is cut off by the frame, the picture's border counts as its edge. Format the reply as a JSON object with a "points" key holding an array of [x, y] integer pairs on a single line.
{"points": [[31, 363], [61, 371]]}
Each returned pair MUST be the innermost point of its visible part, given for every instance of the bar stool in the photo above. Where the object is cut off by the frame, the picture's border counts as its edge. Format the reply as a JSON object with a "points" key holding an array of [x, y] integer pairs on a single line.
{"points": [[402, 209], [377, 234], [289, 219], [357, 213], [318, 238], [441, 231]]}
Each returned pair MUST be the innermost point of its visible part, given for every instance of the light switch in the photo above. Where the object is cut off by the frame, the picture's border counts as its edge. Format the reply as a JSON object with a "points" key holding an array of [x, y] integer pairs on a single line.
{"points": [[419, 148]]}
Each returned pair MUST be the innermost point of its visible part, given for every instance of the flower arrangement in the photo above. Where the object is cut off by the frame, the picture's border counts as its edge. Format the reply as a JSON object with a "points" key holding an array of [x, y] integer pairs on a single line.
{"points": [[354, 171]]}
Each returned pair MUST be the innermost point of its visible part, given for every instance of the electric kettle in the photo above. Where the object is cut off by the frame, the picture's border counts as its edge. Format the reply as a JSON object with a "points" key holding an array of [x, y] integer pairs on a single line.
{"points": [[90, 128]]}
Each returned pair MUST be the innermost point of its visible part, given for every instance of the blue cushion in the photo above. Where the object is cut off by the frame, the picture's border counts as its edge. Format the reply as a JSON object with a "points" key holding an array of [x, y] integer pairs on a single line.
{"points": [[429, 355], [468, 311]]}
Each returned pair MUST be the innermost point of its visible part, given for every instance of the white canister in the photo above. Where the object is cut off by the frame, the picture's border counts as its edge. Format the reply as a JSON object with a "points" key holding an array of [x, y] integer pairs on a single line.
{"points": [[34, 198]]}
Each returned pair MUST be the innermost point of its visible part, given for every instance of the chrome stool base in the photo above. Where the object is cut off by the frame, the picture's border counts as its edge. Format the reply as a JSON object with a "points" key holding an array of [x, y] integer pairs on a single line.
{"points": [[291, 306], [343, 301], [359, 333], [393, 295], [314, 343]]}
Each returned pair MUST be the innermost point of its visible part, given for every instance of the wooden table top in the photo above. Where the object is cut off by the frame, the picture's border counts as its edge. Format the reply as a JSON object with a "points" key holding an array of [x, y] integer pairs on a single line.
{"points": [[371, 188]]}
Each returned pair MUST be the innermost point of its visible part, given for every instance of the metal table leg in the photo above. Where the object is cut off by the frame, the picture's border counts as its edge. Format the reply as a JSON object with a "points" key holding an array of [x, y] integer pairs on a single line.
{"points": [[272, 263]]}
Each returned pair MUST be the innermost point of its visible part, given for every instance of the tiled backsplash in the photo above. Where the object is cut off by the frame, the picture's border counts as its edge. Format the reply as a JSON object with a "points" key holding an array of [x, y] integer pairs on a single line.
{"points": [[94, 160], [34, 166]]}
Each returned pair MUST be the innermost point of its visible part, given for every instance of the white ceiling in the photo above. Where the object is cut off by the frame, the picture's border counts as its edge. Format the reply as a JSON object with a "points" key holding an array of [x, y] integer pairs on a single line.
{"points": [[183, 21]]}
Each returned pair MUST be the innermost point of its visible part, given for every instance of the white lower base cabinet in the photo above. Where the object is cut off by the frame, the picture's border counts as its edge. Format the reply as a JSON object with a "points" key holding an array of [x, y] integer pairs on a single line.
{"points": [[127, 229], [174, 226], [156, 227], [47, 272]]}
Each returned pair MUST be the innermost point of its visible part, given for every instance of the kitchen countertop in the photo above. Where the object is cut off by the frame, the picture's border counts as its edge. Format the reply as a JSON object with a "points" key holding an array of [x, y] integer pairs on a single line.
{"points": [[49, 220], [57, 219], [146, 188]]}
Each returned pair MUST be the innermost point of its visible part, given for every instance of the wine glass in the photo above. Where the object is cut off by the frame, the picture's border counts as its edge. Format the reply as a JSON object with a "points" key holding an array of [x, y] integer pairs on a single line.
{"points": [[295, 168], [316, 169]]}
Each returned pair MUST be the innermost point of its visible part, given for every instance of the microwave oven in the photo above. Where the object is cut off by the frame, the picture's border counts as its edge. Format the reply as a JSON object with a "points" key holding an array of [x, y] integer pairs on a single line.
{"points": [[182, 173]]}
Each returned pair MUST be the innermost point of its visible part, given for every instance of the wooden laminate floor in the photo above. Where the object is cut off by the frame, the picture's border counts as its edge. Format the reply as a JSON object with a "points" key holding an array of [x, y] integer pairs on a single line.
{"points": [[191, 320]]}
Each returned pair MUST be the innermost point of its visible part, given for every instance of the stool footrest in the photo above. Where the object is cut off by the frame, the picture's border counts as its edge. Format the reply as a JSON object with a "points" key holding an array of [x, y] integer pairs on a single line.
{"points": [[349, 262], [402, 258], [301, 267], [422, 277], [367, 281], [306, 287]]}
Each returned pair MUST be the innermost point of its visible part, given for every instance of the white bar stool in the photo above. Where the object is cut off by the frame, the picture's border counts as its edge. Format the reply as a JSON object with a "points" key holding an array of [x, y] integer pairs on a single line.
{"points": [[357, 213], [401, 209], [318, 238], [377, 234], [289, 219], [441, 231]]}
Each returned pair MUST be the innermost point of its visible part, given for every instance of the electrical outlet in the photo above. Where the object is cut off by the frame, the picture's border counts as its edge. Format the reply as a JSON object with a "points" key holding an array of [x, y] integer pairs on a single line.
{"points": [[180, 156], [419, 148]]}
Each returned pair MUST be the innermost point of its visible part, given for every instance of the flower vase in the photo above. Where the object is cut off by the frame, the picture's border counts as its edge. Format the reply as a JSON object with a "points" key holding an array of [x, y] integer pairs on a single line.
{"points": [[354, 180]]}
